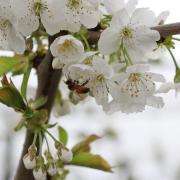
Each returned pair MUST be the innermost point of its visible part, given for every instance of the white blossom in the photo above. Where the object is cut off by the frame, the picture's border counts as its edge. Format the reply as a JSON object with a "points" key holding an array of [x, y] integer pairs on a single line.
{"points": [[52, 169], [10, 38], [29, 162], [66, 155], [116, 5], [135, 89], [99, 81], [79, 12], [166, 87], [61, 108], [67, 50], [29, 159], [131, 34], [39, 174], [28, 13]]}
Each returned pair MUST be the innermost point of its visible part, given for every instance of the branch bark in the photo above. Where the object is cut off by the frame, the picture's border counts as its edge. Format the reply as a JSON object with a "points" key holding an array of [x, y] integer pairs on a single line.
{"points": [[48, 80]]}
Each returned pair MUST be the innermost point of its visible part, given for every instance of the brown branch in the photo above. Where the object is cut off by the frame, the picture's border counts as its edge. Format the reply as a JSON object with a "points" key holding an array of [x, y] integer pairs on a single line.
{"points": [[164, 30], [48, 81]]}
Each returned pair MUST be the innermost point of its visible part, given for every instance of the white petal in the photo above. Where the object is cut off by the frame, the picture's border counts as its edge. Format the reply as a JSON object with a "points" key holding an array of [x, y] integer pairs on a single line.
{"points": [[120, 19], [156, 102], [109, 42], [114, 6], [16, 42], [138, 68], [143, 16], [157, 77], [165, 88]]}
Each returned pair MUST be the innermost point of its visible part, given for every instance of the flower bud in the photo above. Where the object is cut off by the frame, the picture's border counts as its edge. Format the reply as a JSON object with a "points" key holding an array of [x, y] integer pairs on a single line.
{"points": [[61, 109], [66, 155], [39, 171], [39, 174], [51, 164], [52, 169], [29, 159]]}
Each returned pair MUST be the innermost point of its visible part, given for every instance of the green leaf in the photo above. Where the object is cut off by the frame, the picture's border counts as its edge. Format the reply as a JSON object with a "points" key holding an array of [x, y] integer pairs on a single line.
{"points": [[63, 135], [20, 125], [38, 103], [25, 83], [84, 146], [86, 159], [10, 96], [7, 64]]}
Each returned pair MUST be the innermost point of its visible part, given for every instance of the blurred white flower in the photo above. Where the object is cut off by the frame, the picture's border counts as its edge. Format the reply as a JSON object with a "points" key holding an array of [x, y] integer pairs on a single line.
{"points": [[67, 50], [39, 174], [100, 80], [29, 159], [79, 12], [131, 34], [114, 6], [28, 13], [61, 108], [52, 169], [10, 38], [66, 155], [29, 162], [135, 89]]}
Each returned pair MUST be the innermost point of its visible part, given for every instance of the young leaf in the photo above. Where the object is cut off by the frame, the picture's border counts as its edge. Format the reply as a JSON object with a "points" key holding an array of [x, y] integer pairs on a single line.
{"points": [[7, 64], [84, 146], [25, 82], [10, 96], [38, 103], [20, 125], [63, 135], [86, 159]]}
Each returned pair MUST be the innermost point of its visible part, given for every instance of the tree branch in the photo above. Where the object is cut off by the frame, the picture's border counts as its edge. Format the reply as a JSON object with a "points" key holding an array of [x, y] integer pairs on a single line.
{"points": [[48, 81]]}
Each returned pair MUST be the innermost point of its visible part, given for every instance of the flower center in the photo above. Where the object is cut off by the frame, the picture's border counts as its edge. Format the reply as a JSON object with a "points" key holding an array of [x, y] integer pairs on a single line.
{"points": [[67, 46], [39, 7], [67, 43], [4, 24], [74, 4], [100, 77], [127, 32], [137, 84]]}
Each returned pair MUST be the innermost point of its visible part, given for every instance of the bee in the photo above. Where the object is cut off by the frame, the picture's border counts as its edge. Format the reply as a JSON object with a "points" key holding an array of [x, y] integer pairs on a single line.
{"points": [[78, 88]]}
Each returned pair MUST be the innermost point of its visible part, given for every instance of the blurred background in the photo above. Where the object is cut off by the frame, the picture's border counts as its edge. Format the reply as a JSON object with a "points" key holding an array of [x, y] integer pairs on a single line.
{"points": [[143, 146]]}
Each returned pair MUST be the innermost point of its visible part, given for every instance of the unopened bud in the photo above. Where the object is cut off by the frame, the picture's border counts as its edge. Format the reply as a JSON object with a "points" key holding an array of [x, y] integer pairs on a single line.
{"points": [[29, 159], [66, 155], [39, 174], [52, 169]]}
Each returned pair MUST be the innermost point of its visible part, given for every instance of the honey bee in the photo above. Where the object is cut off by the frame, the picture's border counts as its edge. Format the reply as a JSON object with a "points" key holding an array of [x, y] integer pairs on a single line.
{"points": [[78, 88]]}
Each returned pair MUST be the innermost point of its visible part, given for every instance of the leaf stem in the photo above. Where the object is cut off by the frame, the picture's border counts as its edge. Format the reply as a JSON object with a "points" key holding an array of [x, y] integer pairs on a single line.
{"points": [[173, 57], [40, 143], [176, 39], [51, 136], [47, 142], [86, 42], [35, 138]]}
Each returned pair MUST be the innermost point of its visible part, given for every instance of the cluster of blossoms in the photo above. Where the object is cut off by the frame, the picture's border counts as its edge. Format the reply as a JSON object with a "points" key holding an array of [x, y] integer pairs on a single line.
{"points": [[51, 166], [115, 72]]}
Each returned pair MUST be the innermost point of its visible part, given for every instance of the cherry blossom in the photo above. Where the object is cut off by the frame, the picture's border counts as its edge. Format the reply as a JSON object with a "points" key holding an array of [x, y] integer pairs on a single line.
{"points": [[29, 12], [10, 38], [76, 13], [130, 35], [135, 89]]}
